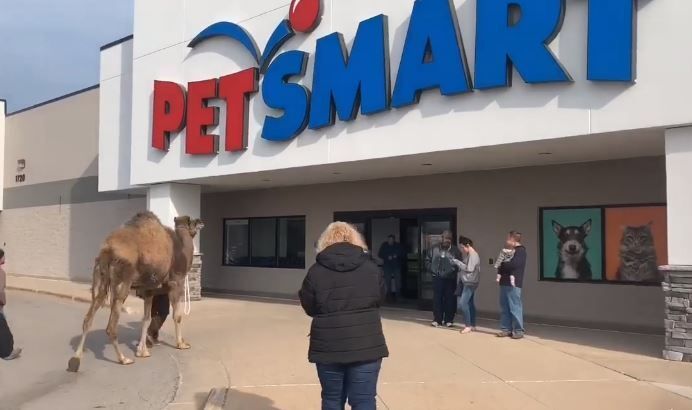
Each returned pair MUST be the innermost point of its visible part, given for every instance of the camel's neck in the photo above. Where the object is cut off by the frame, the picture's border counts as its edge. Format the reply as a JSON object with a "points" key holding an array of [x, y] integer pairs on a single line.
{"points": [[186, 241], [187, 245]]}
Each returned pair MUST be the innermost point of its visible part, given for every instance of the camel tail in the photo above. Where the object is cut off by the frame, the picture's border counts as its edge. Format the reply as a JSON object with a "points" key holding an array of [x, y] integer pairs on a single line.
{"points": [[102, 278]]}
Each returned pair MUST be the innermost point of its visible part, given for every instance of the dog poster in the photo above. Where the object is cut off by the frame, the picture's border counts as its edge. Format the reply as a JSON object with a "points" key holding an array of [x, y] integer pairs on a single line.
{"points": [[636, 243], [572, 244]]}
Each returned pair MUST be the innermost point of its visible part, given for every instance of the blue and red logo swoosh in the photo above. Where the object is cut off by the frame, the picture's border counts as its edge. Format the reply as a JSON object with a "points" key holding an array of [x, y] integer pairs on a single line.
{"points": [[304, 17]]}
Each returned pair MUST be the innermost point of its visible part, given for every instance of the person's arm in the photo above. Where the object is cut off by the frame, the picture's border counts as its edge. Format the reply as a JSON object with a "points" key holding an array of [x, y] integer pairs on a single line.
{"points": [[3, 298], [307, 297], [470, 266], [517, 262]]}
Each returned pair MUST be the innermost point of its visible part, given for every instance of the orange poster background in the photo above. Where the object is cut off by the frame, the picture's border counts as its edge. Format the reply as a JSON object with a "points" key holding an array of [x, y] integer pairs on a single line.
{"points": [[617, 218]]}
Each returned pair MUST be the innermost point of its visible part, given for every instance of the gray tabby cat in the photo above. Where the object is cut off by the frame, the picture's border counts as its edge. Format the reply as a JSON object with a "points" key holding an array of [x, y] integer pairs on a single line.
{"points": [[638, 262]]}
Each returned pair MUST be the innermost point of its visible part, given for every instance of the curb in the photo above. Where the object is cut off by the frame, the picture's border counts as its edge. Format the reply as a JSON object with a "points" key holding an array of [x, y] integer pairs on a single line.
{"points": [[216, 400], [55, 294], [73, 298]]}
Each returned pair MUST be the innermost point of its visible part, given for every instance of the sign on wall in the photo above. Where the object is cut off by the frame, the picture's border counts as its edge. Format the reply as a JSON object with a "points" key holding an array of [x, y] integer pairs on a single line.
{"points": [[617, 243], [21, 175], [510, 34]]}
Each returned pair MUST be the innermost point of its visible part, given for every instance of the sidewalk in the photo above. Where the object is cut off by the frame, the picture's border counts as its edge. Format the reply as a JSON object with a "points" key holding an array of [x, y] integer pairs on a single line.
{"points": [[79, 292], [257, 349]]}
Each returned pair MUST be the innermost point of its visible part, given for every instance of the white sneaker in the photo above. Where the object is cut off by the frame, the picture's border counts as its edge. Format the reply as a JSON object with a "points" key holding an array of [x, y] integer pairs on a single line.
{"points": [[435, 324], [449, 324], [15, 354]]}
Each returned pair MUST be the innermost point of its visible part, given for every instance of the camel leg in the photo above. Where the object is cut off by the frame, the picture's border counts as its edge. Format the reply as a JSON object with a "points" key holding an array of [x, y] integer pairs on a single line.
{"points": [[119, 294], [175, 295], [97, 302], [142, 350]]}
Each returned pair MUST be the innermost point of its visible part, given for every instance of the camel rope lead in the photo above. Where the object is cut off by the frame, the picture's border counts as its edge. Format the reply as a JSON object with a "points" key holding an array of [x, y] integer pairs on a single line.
{"points": [[187, 306]]}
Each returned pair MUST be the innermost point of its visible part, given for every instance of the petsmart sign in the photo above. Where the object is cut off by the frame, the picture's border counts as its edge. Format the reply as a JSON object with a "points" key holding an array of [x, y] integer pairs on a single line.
{"points": [[509, 33]]}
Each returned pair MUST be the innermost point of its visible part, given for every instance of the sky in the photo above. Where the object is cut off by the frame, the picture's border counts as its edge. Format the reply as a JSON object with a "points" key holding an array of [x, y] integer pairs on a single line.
{"points": [[49, 48]]}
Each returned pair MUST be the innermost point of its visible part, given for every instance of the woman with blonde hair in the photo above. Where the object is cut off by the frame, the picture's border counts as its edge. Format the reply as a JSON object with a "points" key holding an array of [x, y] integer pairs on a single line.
{"points": [[342, 292]]}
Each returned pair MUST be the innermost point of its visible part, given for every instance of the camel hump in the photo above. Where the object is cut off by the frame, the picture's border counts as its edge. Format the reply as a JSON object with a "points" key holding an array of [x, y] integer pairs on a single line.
{"points": [[143, 218]]}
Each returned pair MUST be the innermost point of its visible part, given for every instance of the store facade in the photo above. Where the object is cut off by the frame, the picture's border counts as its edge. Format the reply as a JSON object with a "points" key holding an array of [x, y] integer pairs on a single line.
{"points": [[565, 120]]}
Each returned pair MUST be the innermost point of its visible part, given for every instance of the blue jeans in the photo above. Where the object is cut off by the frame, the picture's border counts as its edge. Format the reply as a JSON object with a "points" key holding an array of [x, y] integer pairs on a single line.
{"points": [[512, 311], [356, 382], [467, 305]]}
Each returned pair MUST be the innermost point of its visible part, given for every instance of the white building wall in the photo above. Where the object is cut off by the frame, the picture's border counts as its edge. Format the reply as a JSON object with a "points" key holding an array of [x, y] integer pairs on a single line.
{"points": [[115, 113], [3, 115], [521, 113], [679, 188]]}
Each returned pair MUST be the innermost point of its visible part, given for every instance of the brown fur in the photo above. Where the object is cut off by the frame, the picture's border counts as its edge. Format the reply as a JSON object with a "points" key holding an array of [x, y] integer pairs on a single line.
{"points": [[148, 256]]}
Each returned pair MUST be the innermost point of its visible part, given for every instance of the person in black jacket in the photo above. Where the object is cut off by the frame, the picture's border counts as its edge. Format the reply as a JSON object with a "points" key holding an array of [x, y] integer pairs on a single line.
{"points": [[511, 306], [342, 292], [444, 273]]}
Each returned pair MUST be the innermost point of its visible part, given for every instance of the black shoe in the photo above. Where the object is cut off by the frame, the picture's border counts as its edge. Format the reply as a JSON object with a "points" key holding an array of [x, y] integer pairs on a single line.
{"points": [[503, 334]]}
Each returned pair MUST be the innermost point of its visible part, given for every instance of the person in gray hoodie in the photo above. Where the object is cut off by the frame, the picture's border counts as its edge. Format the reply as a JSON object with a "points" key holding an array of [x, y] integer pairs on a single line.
{"points": [[469, 276]]}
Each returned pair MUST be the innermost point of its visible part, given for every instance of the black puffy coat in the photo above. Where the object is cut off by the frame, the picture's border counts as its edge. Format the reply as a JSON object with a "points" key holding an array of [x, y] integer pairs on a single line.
{"points": [[342, 293]]}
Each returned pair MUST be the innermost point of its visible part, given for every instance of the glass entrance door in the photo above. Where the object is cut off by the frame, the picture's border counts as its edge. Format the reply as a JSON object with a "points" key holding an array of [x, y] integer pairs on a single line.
{"points": [[418, 232], [410, 241]]}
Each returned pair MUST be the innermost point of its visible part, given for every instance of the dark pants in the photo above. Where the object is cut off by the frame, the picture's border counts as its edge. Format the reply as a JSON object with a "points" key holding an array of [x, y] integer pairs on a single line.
{"points": [[160, 308], [6, 339], [356, 382], [444, 300]]}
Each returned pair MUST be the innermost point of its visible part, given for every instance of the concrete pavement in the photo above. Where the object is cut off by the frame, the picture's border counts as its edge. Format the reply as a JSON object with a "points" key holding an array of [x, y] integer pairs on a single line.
{"points": [[48, 329], [257, 349]]}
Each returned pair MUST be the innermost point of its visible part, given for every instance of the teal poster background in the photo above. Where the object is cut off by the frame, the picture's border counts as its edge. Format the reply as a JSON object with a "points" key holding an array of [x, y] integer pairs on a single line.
{"points": [[572, 217]]}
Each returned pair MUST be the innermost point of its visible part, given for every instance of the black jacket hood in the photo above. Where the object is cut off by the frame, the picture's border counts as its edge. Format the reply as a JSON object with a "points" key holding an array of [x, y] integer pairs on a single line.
{"points": [[342, 257]]}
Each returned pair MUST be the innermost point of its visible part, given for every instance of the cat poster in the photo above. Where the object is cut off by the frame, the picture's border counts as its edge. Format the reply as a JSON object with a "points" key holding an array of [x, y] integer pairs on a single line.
{"points": [[572, 244], [636, 243]]}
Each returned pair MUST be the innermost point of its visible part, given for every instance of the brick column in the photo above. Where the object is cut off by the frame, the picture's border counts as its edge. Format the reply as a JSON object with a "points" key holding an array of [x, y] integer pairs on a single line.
{"points": [[195, 277], [677, 288]]}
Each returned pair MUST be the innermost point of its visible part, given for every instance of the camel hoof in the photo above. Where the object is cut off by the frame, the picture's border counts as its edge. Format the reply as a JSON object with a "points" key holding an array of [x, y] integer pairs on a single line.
{"points": [[143, 354], [73, 365], [183, 346], [125, 361]]}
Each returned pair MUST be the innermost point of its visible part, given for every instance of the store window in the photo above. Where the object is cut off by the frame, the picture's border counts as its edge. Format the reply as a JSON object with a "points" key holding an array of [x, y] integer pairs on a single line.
{"points": [[265, 242]]}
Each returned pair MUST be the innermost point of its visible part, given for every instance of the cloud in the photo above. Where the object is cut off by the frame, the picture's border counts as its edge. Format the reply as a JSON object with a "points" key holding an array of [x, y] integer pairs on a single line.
{"points": [[51, 48]]}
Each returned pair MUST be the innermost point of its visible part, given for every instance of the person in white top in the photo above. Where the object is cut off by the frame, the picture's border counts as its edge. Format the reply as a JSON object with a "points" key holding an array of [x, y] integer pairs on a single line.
{"points": [[469, 276]]}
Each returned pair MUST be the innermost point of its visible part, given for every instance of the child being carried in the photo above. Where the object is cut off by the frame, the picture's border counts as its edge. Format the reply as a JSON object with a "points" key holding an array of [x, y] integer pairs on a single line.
{"points": [[506, 255]]}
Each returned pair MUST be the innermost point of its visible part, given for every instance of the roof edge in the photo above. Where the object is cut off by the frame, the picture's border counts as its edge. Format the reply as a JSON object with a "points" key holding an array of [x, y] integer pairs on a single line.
{"points": [[116, 42], [52, 100]]}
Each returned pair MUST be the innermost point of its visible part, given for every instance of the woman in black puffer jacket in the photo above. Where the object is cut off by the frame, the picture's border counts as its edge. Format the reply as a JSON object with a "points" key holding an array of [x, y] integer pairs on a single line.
{"points": [[342, 293]]}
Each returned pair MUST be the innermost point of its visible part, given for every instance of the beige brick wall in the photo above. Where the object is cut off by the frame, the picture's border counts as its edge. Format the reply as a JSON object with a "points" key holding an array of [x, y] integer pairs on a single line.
{"points": [[60, 241]]}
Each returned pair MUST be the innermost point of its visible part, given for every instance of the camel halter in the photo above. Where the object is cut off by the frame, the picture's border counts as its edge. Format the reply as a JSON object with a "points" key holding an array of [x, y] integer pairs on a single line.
{"points": [[186, 301]]}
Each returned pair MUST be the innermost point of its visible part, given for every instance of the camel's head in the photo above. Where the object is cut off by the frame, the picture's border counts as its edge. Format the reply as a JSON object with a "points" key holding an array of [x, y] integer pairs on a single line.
{"points": [[193, 226]]}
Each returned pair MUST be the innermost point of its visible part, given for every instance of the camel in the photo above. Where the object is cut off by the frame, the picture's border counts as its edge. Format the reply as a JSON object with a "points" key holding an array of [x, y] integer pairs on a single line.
{"points": [[145, 255]]}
